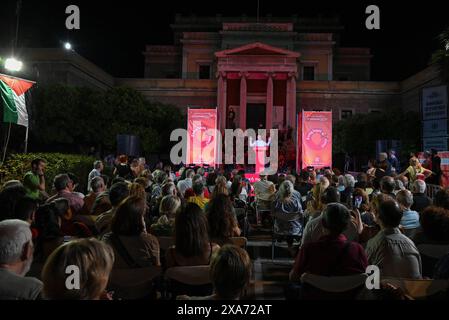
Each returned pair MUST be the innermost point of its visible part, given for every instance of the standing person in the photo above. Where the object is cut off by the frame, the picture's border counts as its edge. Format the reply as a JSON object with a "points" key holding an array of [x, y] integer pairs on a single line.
{"points": [[231, 118], [415, 170], [123, 169], [34, 180], [436, 168], [384, 164], [394, 161], [96, 172]]}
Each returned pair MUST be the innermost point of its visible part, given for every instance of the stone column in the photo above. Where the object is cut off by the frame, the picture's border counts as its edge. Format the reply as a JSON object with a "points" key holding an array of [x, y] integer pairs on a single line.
{"points": [[269, 115], [221, 95], [243, 93], [291, 100]]}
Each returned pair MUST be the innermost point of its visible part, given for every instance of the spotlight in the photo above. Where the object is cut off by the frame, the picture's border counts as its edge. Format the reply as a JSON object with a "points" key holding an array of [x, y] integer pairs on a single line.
{"points": [[68, 46], [12, 64]]}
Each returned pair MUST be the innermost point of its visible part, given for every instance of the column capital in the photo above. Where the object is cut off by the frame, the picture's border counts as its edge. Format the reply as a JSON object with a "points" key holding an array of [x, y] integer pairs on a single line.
{"points": [[221, 74], [293, 75], [270, 75], [243, 74]]}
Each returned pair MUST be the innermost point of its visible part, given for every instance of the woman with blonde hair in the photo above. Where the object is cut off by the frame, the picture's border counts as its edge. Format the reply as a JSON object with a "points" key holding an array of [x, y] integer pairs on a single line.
{"points": [[94, 260], [314, 205], [415, 170], [137, 190], [168, 209]]}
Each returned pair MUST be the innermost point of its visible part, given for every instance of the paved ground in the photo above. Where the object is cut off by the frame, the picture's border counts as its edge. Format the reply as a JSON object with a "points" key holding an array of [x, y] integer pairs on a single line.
{"points": [[269, 276]]}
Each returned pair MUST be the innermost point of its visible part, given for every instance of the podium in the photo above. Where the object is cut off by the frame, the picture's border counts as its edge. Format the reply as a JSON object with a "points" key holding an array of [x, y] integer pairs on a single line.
{"points": [[260, 159]]}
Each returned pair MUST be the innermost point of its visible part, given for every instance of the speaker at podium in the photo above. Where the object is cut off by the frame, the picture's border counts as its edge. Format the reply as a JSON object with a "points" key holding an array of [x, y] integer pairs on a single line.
{"points": [[129, 145]]}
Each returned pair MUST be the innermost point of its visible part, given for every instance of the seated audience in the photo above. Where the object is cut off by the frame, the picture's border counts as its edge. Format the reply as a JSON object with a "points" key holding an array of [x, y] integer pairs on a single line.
{"points": [[265, 192], [133, 246], [393, 252], [315, 230], [192, 244], [420, 199], [168, 209], [94, 259], [10, 196], [433, 241], [221, 219], [287, 202], [410, 219], [387, 186], [230, 272], [97, 186], [441, 199], [117, 194], [64, 186], [16, 256], [333, 254], [198, 198]]}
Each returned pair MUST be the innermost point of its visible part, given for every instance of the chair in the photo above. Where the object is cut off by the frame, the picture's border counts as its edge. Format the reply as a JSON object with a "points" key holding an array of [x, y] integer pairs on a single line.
{"points": [[430, 254], [240, 242], [260, 212], [419, 288], [290, 217], [336, 287], [242, 214], [133, 283], [165, 242], [189, 280]]}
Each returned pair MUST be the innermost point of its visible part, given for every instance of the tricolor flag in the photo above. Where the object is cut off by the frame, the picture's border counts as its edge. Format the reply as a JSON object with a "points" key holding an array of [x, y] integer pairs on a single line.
{"points": [[12, 93]]}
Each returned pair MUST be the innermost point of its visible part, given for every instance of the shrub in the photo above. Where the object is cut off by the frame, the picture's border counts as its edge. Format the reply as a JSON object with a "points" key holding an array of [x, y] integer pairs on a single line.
{"points": [[17, 165]]}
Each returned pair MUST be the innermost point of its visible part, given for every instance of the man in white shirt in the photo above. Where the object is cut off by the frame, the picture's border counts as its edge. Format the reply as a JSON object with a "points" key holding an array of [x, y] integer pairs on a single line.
{"points": [[96, 172], [265, 191], [185, 184]]}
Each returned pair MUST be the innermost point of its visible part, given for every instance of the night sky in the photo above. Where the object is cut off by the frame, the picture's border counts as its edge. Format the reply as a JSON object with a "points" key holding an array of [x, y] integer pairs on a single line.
{"points": [[113, 36]]}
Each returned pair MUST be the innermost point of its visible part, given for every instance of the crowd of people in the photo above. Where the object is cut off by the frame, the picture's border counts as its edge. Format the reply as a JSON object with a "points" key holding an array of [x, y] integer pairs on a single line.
{"points": [[334, 224]]}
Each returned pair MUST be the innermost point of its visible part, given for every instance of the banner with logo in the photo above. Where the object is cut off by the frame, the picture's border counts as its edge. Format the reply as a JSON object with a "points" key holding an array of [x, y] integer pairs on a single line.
{"points": [[202, 137], [314, 139]]}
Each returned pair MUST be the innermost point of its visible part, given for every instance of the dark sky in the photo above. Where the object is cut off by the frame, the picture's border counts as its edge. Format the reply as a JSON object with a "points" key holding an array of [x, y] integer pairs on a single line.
{"points": [[114, 35]]}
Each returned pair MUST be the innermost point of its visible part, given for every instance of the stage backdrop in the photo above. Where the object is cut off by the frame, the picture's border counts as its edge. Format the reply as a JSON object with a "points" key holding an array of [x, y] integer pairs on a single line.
{"points": [[202, 136], [314, 140]]}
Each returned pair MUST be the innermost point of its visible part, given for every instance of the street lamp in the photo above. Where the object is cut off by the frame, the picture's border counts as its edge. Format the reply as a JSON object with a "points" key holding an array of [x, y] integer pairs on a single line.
{"points": [[67, 46], [12, 64]]}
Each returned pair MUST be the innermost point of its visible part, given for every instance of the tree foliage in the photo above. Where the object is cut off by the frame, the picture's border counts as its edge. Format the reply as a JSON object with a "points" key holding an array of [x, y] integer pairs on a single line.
{"points": [[79, 117], [358, 135]]}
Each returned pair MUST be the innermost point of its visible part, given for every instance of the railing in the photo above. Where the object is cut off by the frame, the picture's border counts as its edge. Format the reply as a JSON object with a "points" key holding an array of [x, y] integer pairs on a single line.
{"points": [[432, 189]]}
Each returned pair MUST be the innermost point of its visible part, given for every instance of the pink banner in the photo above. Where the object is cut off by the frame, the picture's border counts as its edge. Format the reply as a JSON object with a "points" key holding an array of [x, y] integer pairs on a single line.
{"points": [[202, 136], [315, 139]]}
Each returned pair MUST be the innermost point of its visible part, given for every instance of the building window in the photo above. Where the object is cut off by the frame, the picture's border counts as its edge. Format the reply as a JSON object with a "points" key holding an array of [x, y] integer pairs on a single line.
{"points": [[346, 114], [204, 71], [308, 73]]}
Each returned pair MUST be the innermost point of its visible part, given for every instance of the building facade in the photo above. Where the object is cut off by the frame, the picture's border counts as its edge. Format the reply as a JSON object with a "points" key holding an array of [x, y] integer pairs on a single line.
{"points": [[254, 68]]}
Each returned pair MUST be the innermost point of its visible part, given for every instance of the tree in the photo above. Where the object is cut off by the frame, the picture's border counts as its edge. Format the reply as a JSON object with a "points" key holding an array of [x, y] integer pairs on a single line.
{"points": [[358, 135], [75, 118], [441, 56]]}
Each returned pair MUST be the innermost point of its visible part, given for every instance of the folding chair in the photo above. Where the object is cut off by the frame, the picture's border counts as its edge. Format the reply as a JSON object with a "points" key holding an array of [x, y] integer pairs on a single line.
{"points": [[335, 287], [189, 280], [133, 283], [290, 217]]}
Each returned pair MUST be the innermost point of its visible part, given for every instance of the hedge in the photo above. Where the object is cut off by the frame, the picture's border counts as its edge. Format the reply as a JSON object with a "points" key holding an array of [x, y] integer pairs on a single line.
{"points": [[17, 165]]}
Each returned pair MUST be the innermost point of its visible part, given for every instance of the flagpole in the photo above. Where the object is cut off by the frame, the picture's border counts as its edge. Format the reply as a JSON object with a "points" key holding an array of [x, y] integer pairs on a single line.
{"points": [[26, 141], [6, 143]]}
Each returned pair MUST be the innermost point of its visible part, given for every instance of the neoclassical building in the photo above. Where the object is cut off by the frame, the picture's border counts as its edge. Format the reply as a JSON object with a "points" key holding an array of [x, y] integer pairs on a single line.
{"points": [[256, 69], [266, 71]]}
